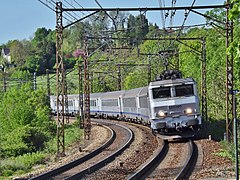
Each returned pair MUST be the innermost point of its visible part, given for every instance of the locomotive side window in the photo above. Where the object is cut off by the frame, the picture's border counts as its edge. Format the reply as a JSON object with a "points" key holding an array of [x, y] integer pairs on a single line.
{"points": [[161, 92], [184, 90]]}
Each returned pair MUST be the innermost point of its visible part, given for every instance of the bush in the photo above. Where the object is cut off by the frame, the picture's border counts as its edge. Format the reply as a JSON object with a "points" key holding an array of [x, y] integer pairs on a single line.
{"points": [[21, 163], [227, 150], [23, 140], [72, 133]]}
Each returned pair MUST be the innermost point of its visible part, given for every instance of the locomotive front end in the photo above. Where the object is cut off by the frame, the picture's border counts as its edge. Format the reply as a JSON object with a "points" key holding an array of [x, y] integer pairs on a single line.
{"points": [[174, 106]]}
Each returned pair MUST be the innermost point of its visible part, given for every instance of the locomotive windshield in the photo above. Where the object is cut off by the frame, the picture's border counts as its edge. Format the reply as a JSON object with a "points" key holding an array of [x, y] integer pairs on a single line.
{"points": [[184, 90], [161, 92]]}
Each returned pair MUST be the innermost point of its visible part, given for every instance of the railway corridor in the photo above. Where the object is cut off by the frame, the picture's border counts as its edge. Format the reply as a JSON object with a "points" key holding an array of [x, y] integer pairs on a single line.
{"points": [[138, 154]]}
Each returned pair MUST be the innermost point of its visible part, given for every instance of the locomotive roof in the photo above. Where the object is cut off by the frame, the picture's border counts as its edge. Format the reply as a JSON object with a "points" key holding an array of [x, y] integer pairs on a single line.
{"points": [[170, 81]]}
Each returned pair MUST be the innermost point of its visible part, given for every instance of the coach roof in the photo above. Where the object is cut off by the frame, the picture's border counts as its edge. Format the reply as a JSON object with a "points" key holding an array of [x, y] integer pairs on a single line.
{"points": [[112, 95]]}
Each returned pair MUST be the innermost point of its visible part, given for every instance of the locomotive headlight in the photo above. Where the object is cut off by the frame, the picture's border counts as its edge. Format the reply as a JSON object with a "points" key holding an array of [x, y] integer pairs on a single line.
{"points": [[162, 113], [188, 111]]}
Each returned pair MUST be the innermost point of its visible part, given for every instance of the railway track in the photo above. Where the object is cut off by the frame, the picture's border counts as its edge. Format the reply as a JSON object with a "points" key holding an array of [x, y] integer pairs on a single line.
{"points": [[172, 161], [120, 139], [143, 146], [168, 161]]}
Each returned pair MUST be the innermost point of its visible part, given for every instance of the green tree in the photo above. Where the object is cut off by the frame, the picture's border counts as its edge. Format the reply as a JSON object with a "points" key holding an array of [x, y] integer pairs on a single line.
{"points": [[44, 51], [137, 28], [18, 53], [24, 121], [136, 79]]}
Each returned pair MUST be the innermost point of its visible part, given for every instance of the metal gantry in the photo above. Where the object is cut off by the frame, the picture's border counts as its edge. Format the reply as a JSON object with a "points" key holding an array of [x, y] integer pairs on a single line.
{"points": [[80, 96], [61, 91], [60, 81], [87, 120], [229, 77], [204, 81]]}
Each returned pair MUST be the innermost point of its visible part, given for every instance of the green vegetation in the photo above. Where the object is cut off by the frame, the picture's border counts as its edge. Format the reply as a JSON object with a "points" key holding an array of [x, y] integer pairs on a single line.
{"points": [[227, 151], [27, 134]]}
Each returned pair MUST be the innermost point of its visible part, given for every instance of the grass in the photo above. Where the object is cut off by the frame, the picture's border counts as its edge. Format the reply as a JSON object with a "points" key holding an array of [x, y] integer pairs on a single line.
{"points": [[15, 166], [217, 128], [21, 164]]}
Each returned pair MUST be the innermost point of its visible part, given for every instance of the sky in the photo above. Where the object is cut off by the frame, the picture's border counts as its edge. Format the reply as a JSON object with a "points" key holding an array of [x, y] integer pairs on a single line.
{"points": [[21, 18]]}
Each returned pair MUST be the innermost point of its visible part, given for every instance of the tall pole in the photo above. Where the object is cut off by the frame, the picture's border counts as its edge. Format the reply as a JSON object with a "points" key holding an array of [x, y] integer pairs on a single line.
{"points": [[204, 82], [229, 78], [66, 98], [235, 135], [87, 120], [234, 93], [80, 96], [60, 81]]}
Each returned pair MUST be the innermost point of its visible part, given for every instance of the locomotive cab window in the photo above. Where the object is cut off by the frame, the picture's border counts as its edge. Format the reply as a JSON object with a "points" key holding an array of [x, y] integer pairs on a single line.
{"points": [[161, 92], [184, 90]]}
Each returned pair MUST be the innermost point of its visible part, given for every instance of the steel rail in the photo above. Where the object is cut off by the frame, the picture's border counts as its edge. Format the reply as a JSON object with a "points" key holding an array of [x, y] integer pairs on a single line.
{"points": [[190, 163], [150, 165], [74, 163], [108, 159]]}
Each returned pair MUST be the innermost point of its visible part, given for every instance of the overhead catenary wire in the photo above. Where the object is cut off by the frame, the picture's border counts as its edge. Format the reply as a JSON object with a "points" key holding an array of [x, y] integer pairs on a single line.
{"points": [[46, 4], [115, 26], [182, 26], [161, 4], [50, 4], [173, 11], [70, 4]]}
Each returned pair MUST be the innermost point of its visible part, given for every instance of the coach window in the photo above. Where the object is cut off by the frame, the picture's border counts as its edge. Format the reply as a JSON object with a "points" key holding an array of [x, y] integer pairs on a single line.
{"points": [[184, 90], [161, 92], [70, 103]]}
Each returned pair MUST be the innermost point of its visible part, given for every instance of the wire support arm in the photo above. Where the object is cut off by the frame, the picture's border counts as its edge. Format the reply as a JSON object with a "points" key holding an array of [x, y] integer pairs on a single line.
{"points": [[208, 17], [194, 50], [80, 20], [146, 8]]}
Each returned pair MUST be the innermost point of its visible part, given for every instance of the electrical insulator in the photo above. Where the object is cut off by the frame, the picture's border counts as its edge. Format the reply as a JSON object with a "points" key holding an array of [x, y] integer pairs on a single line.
{"points": [[186, 13], [166, 15]]}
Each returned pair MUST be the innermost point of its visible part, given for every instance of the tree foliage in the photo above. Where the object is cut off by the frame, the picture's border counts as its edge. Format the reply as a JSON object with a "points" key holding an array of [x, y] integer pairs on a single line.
{"points": [[24, 123]]}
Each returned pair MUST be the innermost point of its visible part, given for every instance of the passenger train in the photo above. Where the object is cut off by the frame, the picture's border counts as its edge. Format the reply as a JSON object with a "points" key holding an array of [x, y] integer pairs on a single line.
{"points": [[169, 105]]}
